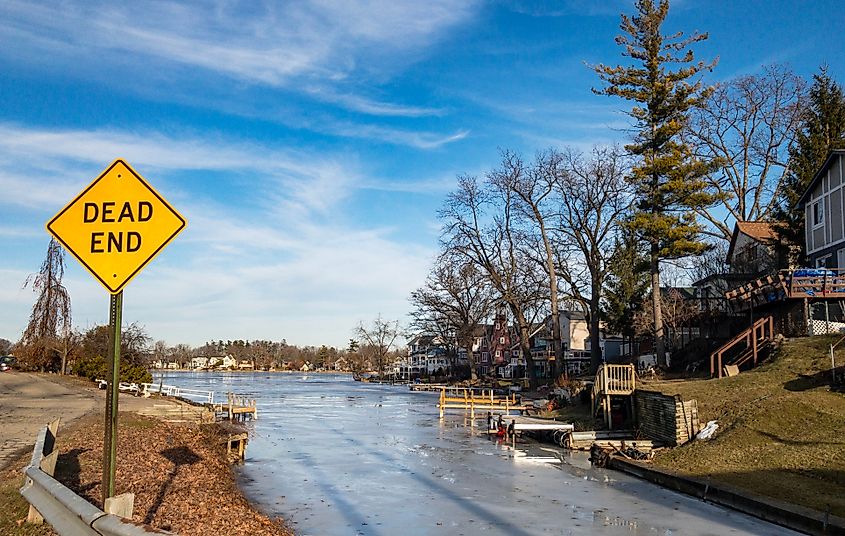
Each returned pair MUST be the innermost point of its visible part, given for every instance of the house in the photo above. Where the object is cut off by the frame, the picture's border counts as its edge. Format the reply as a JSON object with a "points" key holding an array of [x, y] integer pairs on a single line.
{"points": [[822, 202], [500, 341], [341, 364], [480, 350], [246, 365], [752, 248], [228, 362], [752, 253], [199, 362]]}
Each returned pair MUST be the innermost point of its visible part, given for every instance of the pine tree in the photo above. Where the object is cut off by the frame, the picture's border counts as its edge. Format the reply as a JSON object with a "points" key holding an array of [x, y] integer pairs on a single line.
{"points": [[822, 130], [667, 178], [626, 285]]}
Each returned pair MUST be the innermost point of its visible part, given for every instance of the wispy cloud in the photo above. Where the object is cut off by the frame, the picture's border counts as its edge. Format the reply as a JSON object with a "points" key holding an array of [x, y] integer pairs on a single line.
{"points": [[293, 44], [365, 105], [291, 263]]}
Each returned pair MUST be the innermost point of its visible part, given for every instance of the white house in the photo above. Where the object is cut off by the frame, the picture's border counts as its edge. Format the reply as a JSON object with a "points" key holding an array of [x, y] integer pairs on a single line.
{"points": [[227, 362], [199, 362]]}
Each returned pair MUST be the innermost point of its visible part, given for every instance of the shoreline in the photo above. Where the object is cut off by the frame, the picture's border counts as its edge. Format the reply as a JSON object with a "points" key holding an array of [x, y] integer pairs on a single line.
{"points": [[179, 472]]}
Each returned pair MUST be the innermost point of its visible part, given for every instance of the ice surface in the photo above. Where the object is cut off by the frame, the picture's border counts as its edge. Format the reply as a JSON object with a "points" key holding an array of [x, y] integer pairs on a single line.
{"points": [[338, 457]]}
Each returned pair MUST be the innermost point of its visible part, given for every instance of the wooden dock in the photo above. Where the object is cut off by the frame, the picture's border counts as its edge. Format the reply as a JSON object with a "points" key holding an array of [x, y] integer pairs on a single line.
{"points": [[237, 408], [472, 399], [426, 387]]}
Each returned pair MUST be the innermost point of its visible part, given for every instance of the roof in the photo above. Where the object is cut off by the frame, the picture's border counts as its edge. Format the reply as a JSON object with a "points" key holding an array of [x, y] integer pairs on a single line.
{"points": [[761, 231], [686, 293], [758, 230], [831, 156]]}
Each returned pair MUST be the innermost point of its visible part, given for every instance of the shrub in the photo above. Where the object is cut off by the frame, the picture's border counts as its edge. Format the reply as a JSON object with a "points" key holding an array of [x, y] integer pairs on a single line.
{"points": [[95, 368]]}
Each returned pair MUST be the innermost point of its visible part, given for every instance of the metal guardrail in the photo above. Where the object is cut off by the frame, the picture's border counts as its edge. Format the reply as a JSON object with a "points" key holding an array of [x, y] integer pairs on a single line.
{"points": [[68, 513]]}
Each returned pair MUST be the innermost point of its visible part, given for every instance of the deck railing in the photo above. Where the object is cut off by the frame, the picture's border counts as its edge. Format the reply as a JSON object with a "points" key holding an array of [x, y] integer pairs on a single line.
{"points": [[195, 395], [612, 380], [615, 380], [754, 338], [816, 282]]}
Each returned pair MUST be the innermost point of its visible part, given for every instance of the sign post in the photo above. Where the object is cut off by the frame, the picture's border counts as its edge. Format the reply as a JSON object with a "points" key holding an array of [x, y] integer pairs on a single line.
{"points": [[115, 227], [112, 391]]}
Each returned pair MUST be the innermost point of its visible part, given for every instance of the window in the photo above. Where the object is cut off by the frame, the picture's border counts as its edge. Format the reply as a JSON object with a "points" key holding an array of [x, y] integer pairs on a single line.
{"points": [[818, 213], [501, 340], [822, 262], [498, 353]]}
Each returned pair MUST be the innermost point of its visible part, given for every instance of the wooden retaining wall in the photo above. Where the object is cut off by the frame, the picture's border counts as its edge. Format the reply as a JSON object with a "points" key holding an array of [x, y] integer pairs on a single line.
{"points": [[666, 418]]}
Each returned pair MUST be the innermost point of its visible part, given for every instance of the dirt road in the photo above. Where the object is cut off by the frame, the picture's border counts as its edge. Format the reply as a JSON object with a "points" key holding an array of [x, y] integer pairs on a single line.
{"points": [[28, 402]]}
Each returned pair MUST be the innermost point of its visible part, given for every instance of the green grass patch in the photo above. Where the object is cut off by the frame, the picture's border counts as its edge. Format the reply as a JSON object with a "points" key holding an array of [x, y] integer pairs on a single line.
{"points": [[781, 429], [15, 508]]}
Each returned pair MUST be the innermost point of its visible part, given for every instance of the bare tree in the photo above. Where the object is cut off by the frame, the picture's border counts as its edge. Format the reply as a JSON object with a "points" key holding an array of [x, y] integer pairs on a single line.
{"points": [[481, 227], [380, 337], [748, 126], [533, 186], [50, 320], [454, 301], [593, 196]]}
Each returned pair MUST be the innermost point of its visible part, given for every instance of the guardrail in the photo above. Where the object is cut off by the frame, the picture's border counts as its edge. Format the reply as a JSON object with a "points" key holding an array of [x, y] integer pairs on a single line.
{"points": [[195, 395], [68, 513]]}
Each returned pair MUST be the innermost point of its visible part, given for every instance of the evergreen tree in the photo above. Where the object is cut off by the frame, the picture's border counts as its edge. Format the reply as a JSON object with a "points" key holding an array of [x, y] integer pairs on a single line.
{"points": [[626, 285], [668, 179], [822, 130]]}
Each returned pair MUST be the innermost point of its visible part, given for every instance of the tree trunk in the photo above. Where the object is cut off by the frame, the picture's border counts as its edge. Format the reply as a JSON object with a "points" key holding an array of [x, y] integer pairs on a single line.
{"points": [[550, 269], [471, 361], [595, 347], [525, 346], [659, 339]]}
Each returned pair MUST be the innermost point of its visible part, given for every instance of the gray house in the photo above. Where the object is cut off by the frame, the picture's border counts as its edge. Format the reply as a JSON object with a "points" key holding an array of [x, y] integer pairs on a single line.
{"points": [[823, 209]]}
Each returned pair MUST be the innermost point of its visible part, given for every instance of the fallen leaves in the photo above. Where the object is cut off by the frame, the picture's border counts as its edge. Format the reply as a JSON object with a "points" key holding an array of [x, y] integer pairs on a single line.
{"points": [[178, 473]]}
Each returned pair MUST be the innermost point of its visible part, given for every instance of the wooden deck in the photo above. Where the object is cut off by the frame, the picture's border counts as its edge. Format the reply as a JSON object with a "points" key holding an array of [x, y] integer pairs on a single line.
{"points": [[791, 284]]}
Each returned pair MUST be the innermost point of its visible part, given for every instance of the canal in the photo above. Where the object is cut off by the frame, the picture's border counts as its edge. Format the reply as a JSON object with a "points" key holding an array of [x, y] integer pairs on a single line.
{"points": [[338, 457]]}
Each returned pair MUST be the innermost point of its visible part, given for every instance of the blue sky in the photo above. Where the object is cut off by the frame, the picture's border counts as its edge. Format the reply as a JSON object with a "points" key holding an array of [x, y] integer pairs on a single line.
{"points": [[310, 143]]}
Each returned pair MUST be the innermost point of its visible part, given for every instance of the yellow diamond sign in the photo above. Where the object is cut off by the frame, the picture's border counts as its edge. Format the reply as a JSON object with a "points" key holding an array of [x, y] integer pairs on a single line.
{"points": [[116, 225]]}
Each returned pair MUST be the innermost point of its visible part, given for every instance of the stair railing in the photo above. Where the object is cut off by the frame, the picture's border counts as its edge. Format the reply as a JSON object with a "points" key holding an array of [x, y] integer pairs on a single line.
{"points": [[760, 331]]}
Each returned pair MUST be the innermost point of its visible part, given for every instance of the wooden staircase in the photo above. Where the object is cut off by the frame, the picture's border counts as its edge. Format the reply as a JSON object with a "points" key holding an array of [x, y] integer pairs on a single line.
{"points": [[746, 347], [612, 380]]}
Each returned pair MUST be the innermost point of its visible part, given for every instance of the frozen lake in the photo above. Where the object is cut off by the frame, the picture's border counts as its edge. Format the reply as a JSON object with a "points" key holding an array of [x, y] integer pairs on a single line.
{"points": [[338, 457]]}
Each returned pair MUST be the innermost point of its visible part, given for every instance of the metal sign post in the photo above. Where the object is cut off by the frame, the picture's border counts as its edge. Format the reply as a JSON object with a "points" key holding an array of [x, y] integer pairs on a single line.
{"points": [[112, 391], [115, 227]]}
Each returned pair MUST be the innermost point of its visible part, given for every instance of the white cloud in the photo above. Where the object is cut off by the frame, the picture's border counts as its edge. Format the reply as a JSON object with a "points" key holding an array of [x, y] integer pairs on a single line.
{"points": [[284, 261], [268, 43]]}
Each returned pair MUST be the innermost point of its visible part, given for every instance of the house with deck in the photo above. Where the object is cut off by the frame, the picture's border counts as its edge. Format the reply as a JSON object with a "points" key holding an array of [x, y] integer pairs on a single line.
{"points": [[797, 301]]}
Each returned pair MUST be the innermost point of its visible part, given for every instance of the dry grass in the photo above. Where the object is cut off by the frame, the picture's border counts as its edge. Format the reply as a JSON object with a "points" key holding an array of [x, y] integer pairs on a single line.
{"points": [[781, 428]]}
